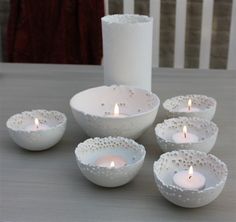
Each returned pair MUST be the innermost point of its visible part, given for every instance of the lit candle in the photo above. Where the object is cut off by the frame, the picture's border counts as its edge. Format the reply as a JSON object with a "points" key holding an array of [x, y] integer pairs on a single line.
{"points": [[189, 108], [189, 179], [184, 137], [36, 126], [116, 112], [110, 161]]}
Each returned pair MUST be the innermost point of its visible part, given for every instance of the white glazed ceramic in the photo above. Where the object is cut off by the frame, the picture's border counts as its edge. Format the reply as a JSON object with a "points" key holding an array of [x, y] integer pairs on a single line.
{"points": [[213, 169], [206, 106], [39, 139], [206, 131], [93, 110], [89, 151]]}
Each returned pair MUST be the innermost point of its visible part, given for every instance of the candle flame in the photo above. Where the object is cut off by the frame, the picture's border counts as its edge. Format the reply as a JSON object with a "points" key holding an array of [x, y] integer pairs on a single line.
{"points": [[185, 131], [112, 164], [189, 104], [36, 122], [190, 172], [116, 110]]}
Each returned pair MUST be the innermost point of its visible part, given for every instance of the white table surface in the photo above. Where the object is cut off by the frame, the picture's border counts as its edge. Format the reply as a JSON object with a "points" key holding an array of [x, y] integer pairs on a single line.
{"points": [[48, 186]]}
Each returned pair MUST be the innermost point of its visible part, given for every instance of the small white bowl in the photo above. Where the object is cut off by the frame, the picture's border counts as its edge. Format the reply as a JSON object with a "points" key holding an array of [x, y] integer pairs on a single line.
{"points": [[52, 125], [206, 106], [93, 110], [214, 170], [89, 152], [205, 130]]}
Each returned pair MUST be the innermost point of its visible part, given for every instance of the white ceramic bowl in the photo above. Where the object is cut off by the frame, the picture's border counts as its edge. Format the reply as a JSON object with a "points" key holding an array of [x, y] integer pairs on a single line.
{"points": [[205, 130], [206, 106], [93, 110], [214, 170], [88, 152], [52, 125]]}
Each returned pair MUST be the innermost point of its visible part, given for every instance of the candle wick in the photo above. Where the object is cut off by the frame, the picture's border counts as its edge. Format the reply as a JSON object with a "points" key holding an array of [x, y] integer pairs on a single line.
{"points": [[189, 108], [189, 177], [185, 135]]}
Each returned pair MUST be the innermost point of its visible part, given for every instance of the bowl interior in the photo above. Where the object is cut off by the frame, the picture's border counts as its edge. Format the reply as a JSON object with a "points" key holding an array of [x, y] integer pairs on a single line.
{"points": [[91, 150], [100, 101], [204, 129], [24, 119], [214, 170], [202, 102]]}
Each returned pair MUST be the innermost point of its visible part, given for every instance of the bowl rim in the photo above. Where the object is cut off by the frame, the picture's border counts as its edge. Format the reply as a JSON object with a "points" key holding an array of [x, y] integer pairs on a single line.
{"points": [[154, 108], [206, 155], [212, 107], [119, 138], [58, 125], [209, 122]]}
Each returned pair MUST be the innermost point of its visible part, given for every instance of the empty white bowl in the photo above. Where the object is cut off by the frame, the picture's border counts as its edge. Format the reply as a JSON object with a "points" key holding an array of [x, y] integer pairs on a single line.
{"points": [[128, 157], [213, 169], [37, 136], [205, 131], [93, 109], [202, 106]]}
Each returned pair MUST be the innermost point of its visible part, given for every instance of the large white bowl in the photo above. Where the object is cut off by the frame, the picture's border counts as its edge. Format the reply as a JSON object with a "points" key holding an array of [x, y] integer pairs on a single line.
{"points": [[212, 168], [89, 151], [40, 139], [93, 110]]}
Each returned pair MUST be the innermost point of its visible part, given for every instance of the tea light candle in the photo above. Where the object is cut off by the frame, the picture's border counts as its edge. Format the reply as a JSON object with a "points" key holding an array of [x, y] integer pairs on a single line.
{"points": [[111, 161], [116, 112], [37, 126], [189, 179], [184, 137], [189, 108]]}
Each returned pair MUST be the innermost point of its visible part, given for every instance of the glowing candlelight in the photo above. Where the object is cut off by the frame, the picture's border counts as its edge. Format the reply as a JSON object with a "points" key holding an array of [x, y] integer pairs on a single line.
{"points": [[190, 172], [189, 179], [189, 108], [116, 110], [189, 104], [185, 137], [112, 164], [185, 131], [110, 161], [36, 122]]}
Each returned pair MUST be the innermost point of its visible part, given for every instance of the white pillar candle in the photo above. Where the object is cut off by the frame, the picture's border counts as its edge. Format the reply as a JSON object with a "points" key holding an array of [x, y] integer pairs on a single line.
{"points": [[189, 179], [110, 161], [185, 137], [127, 50]]}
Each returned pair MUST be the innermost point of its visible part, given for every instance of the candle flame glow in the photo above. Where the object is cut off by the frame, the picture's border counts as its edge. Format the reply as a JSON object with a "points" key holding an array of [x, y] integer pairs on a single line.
{"points": [[189, 104], [185, 131], [36, 122], [190, 172], [116, 110], [112, 164]]}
